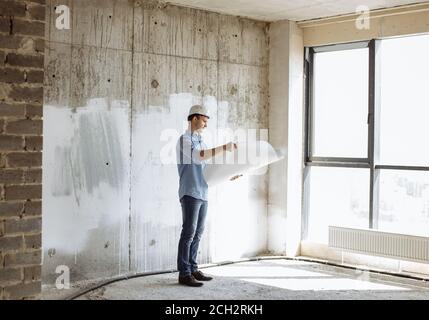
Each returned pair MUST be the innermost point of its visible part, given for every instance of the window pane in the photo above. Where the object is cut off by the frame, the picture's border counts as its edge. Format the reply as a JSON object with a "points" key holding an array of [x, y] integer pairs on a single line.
{"points": [[404, 116], [341, 103], [404, 202], [337, 196]]}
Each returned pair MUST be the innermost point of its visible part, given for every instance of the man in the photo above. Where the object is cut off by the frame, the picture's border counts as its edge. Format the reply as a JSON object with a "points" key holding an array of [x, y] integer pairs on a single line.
{"points": [[193, 193]]}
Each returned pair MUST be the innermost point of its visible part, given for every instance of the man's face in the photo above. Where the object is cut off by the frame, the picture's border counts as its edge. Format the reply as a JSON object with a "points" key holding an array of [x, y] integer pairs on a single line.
{"points": [[200, 123]]}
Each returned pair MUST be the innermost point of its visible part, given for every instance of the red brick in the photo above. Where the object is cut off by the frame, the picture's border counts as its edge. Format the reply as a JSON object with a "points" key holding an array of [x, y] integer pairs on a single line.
{"points": [[11, 209], [34, 110], [37, 12], [33, 208], [11, 143], [34, 143], [39, 45], [9, 75], [24, 43], [5, 24], [2, 58], [33, 241], [22, 225], [10, 42], [24, 159], [31, 28], [26, 126], [10, 110], [26, 94], [11, 176], [32, 274], [2, 160], [23, 192], [11, 243], [33, 176], [10, 275], [35, 76], [22, 291], [21, 60], [22, 258], [12, 8]]}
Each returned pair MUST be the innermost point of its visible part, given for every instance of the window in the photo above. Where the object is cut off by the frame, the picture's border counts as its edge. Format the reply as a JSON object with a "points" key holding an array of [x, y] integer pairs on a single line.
{"points": [[367, 160], [341, 103], [337, 196], [404, 202], [404, 100]]}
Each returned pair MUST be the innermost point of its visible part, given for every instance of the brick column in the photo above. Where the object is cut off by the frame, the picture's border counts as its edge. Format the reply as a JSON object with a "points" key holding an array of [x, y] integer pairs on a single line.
{"points": [[22, 31]]}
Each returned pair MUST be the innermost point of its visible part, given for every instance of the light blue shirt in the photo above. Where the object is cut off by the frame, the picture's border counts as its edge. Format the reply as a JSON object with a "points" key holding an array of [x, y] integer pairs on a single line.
{"points": [[191, 178]]}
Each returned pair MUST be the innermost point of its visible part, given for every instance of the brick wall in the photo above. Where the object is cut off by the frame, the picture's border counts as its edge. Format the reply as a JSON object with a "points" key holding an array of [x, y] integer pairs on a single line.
{"points": [[22, 30]]}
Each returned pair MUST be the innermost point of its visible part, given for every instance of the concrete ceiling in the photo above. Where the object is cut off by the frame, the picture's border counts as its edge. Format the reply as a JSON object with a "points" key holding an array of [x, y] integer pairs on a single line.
{"points": [[295, 10]]}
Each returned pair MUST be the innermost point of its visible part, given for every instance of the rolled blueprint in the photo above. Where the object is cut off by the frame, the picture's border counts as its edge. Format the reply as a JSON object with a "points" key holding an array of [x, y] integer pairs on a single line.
{"points": [[247, 159]]}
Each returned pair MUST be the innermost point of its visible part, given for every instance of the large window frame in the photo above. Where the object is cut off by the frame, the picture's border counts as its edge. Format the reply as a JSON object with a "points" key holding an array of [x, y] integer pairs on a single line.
{"points": [[373, 121]]}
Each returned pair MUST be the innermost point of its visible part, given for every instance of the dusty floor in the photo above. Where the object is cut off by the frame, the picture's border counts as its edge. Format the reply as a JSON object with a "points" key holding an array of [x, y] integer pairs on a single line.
{"points": [[269, 279]]}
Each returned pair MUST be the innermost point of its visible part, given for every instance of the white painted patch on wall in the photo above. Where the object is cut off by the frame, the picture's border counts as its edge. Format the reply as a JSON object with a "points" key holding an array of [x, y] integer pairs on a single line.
{"points": [[87, 187], [86, 172]]}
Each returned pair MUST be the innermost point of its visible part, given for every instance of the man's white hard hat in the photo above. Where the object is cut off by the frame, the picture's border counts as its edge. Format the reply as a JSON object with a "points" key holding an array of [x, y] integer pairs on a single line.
{"points": [[199, 109]]}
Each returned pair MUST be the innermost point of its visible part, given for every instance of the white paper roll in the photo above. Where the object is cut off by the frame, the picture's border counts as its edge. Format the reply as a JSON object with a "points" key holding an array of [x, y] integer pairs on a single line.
{"points": [[248, 158]]}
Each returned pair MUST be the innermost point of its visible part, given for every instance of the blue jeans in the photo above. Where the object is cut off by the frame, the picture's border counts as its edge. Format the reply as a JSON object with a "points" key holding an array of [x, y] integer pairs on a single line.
{"points": [[194, 212]]}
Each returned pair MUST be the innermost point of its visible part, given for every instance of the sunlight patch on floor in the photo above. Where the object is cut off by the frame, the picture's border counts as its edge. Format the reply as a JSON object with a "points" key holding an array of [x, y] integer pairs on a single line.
{"points": [[262, 271], [324, 284]]}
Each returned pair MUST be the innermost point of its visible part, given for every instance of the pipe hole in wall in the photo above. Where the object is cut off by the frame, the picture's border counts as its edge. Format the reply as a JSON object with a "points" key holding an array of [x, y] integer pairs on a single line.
{"points": [[154, 84]]}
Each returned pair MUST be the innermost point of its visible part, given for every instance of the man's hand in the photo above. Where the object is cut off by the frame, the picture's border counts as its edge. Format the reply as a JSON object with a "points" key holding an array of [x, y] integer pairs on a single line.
{"points": [[230, 146], [235, 177]]}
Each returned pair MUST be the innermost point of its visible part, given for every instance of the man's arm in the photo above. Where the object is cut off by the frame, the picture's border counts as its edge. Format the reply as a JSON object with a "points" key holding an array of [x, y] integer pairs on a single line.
{"points": [[210, 153]]}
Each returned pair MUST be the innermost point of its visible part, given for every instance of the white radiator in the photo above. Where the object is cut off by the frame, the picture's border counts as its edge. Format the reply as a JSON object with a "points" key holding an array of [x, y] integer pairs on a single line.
{"points": [[385, 244]]}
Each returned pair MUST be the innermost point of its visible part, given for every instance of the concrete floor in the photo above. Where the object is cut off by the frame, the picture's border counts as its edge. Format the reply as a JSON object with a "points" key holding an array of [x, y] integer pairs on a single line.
{"points": [[269, 279]]}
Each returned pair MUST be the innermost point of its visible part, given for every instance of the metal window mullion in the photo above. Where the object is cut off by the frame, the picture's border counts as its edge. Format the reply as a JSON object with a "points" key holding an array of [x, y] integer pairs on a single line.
{"points": [[374, 131], [310, 104], [342, 46], [308, 73], [376, 197], [338, 164], [371, 74], [338, 159], [399, 167]]}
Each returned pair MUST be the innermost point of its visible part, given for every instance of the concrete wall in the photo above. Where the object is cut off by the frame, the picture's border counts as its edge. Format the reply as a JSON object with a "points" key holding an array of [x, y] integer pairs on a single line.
{"points": [[22, 30], [118, 85]]}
